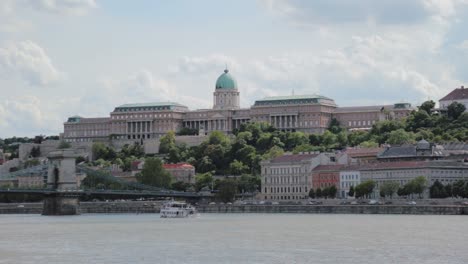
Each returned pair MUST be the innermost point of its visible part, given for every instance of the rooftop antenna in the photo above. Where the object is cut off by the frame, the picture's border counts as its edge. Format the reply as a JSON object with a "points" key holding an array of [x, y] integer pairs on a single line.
{"points": [[226, 68], [292, 91]]}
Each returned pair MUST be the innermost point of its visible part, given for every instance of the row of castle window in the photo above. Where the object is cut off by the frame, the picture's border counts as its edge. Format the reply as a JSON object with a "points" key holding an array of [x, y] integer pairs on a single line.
{"points": [[141, 116], [142, 109], [358, 123]]}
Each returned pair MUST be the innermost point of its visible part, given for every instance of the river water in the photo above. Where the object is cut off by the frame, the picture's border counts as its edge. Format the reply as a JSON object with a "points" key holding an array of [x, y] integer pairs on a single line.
{"points": [[234, 238]]}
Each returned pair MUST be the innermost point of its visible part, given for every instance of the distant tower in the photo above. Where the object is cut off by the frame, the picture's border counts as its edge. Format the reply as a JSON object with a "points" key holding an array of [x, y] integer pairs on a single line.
{"points": [[226, 95]]}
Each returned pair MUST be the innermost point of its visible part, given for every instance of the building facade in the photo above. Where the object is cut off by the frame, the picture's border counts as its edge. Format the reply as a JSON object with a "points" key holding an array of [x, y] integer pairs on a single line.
{"points": [[289, 177], [350, 176], [459, 95], [306, 113], [325, 176]]}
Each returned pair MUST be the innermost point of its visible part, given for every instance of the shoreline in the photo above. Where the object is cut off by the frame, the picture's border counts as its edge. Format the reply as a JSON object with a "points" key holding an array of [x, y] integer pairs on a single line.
{"points": [[140, 207]]}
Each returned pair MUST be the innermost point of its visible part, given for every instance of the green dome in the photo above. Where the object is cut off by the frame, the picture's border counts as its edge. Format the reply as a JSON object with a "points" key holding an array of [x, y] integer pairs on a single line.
{"points": [[226, 81]]}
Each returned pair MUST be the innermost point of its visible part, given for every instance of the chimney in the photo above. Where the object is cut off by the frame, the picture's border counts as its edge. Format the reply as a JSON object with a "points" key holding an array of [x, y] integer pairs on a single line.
{"points": [[462, 87]]}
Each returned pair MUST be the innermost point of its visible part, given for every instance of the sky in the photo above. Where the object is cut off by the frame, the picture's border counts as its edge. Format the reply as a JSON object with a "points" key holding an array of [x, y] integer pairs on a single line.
{"points": [[60, 58]]}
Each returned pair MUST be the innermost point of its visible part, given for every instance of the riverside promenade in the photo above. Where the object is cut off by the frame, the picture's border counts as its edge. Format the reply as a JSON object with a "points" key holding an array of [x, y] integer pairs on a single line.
{"points": [[140, 207]]}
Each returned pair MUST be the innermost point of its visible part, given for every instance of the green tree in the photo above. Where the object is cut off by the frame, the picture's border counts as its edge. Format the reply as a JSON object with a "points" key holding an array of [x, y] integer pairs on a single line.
{"points": [[248, 183], [203, 180], [418, 119], [180, 186], [329, 139], [318, 193], [312, 193], [437, 190], [218, 138], [389, 188], [427, 106], [335, 126], [455, 109], [400, 136], [227, 190], [206, 165], [167, 142], [294, 139], [99, 151], [351, 191], [342, 139], [364, 189], [369, 144], [331, 191], [237, 167], [154, 174], [274, 152], [185, 131]]}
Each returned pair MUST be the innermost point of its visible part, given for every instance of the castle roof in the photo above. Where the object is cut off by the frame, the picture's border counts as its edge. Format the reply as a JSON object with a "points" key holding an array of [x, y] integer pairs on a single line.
{"points": [[148, 106], [294, 99]]}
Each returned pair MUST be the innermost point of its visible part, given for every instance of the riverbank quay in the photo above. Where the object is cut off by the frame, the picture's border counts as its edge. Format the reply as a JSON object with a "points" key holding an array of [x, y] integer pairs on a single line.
{"points": [[338, 209], [112, 207], [140, 207]]}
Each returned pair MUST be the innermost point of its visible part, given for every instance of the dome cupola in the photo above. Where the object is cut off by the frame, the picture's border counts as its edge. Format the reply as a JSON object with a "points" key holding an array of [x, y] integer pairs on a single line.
{"points": [[226, 81]]}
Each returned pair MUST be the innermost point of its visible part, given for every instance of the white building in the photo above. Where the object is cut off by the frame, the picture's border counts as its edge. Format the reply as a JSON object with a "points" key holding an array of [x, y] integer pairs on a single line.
{"points": [[349, 176], [459, 95]]}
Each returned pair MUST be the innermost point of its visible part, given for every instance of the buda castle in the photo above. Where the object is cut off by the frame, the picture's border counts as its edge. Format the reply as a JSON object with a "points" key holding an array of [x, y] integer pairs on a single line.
{"points": [[305, 113]]}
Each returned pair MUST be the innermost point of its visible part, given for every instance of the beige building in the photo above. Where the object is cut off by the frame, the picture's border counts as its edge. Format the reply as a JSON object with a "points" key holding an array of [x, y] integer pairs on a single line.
{"points": [[306, 113], [404, 171], [289, 177]]}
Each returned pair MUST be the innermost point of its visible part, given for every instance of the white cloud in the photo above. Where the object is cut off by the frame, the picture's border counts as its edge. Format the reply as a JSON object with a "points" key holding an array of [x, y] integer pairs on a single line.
{"points": [[142, 86], [68, 7], [463, 46], [25, 116], [386, 12], [29, 62]]}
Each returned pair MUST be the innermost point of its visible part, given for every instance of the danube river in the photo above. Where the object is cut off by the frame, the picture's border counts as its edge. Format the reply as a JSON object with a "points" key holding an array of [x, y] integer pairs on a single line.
{"points": [[234, 238]]}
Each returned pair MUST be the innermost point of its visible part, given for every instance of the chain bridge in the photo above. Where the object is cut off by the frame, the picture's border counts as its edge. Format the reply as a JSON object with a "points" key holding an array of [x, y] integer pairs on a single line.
{"points": [[63, 186]]}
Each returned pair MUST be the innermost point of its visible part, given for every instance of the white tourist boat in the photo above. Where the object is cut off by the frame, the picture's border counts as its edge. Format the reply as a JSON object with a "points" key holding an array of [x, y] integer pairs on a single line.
{"points": [[177, 210]]}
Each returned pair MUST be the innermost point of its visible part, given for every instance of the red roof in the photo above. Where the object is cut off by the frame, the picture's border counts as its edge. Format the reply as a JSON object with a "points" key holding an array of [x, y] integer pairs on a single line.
{"points": [[328, 168], [457, 94], [293, 158], [178, 166]]}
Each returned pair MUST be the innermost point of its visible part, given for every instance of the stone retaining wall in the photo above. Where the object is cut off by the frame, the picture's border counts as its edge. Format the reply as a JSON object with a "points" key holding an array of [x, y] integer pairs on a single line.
{"points": [[337, 209], [155, 206]]}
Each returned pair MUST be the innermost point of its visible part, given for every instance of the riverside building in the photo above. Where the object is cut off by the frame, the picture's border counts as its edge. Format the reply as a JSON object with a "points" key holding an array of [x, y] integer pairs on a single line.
{"points": [[289, 177], [306, 113]]}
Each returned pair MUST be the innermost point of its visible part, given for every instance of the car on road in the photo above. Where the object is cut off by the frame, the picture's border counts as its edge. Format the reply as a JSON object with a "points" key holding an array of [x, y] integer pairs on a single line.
{"points": [[373, 202], [411, 203]]}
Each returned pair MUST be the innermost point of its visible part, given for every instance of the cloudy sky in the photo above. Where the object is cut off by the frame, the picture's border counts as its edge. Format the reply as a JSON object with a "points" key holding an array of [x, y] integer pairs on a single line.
{"points": [[65, 57]]}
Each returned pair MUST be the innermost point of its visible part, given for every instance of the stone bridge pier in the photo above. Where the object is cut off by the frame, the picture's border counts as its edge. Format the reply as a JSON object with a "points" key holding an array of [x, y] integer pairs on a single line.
{"points": [[63, 183]]}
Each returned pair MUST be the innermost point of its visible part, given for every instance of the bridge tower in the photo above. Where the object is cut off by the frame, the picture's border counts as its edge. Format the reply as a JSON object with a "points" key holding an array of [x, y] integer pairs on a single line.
{"points": [[63, 183]]}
